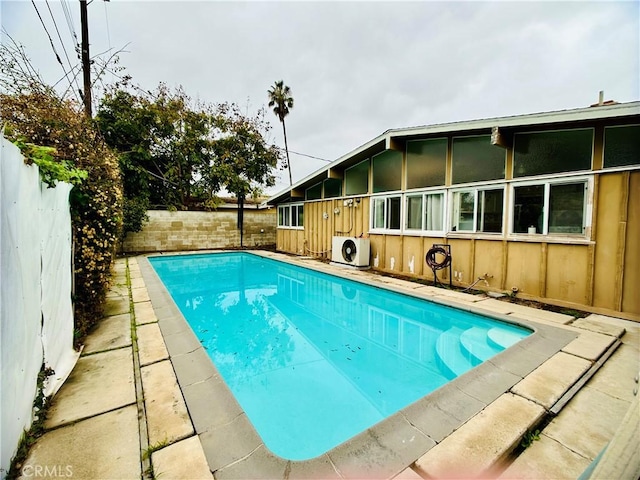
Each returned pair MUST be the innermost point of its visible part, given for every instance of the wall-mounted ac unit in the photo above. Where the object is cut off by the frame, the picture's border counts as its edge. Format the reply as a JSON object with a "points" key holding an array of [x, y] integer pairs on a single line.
{"points": [[350, 251]]}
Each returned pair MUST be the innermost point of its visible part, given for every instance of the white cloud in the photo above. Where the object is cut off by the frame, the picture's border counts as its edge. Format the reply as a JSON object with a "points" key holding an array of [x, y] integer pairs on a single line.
{"points": [[357, 69]]}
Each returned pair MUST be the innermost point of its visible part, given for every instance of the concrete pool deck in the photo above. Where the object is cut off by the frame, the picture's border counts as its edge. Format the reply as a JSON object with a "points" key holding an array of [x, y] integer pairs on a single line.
{"points": [[144, 387]]}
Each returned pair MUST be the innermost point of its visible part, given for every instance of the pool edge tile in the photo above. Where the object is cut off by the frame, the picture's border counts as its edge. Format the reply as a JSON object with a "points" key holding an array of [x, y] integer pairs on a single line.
{"points": [[382, 451], [441, 413], [193, 367], [210, 404], [227, 444]]}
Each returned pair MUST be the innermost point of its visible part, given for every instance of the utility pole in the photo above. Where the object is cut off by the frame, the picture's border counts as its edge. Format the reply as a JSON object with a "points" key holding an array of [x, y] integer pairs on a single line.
{"points": [[86, 62]]}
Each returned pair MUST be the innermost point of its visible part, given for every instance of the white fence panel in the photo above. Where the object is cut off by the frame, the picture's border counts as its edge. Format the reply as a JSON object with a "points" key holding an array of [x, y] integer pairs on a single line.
{"points": [[36, 322], [57, 310]]}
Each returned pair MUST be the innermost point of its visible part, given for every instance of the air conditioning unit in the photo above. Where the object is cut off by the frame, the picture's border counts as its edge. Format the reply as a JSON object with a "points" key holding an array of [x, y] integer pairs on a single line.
{"points": [[350, 251]]}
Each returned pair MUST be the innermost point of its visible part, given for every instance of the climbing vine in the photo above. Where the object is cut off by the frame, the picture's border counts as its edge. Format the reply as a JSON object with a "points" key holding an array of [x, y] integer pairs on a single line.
{"points": [[51, 170], [55, 134]]}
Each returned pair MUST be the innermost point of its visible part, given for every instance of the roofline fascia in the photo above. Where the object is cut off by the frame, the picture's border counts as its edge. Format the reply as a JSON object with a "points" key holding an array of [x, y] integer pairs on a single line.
{"points": [[530, 119], [602, 112]]}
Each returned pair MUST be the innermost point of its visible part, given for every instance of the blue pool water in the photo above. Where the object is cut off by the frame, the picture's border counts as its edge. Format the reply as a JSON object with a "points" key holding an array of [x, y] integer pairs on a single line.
{"points": [[314, 359]]}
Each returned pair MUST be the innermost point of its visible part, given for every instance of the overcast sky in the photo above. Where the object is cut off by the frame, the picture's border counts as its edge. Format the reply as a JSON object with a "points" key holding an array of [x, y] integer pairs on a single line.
{"points": [[357, 69]]}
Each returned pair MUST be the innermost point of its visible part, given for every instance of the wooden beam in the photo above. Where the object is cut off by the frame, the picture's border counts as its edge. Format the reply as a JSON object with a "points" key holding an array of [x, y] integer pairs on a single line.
{"points": [[335, 174], [394, 144], [622, 241]]}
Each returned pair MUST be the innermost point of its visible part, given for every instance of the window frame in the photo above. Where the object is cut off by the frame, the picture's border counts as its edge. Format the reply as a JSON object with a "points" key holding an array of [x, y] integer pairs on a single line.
{"points": [[386, 199], [547, 183], [339, 182], [386, 156], [454, 181], [409, 158], [306, 192], [554, 130], [604, 149], [423, 194], [475, 189], [288, 217], [346, 185]]}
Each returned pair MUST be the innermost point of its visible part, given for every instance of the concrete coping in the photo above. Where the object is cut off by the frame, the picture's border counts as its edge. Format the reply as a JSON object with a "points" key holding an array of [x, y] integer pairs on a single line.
{"points": [[234, 449]]}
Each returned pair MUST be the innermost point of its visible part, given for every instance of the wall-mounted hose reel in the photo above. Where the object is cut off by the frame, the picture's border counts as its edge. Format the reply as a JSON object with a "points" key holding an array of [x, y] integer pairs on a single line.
{"points": [[439, 257]]}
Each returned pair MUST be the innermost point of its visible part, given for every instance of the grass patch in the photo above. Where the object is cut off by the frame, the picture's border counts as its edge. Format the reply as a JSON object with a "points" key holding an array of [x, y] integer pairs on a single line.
{"points": [[146, 455], [529, 438]]}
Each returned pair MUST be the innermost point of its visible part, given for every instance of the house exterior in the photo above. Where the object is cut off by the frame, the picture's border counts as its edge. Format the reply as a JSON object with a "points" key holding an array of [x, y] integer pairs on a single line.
{"points": [[546, 205]]}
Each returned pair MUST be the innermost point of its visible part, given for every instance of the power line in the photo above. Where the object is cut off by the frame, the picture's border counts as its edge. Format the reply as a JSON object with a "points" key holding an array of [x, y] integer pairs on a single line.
{"points": [[47, 32], [106, 19], [63, 47], [305, 155], [69, 17]]}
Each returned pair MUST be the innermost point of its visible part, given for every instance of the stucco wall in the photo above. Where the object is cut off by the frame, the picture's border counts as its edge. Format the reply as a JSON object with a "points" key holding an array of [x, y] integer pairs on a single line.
{"points": [[172, 231]]}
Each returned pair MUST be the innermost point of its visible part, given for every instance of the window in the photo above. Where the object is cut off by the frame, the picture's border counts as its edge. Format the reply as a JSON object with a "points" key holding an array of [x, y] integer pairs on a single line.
{"points": [[474, 159], [425, 211], [552, 152], [332, 188], [291, 216], [357, 179], [387, 171], [284, 216], [622, 146], [314, 192], [478, 210], [297, 215], [386, 213], [550, 208], [426, 162]]}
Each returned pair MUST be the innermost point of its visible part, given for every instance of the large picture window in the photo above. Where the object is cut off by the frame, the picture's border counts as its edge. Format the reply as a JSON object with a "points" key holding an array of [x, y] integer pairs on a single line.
{"points": [[357, 179], [291, 216], [542, 153], [475, 159], [425, 211], [550, 208], [478, 210], [622, 146], [387, 168], [426, 162], [386, 213]]}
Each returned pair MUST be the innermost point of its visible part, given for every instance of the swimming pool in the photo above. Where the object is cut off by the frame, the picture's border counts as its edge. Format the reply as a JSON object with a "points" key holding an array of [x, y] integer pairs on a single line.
{"points": [[315, 359]]}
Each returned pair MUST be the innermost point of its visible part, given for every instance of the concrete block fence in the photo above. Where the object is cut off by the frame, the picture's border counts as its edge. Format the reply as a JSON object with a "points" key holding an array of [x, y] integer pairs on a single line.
{"points": [[175, 231]]}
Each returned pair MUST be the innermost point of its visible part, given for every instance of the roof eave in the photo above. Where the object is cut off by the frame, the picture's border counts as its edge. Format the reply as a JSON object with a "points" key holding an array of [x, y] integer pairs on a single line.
{"points": [[602, 112]]}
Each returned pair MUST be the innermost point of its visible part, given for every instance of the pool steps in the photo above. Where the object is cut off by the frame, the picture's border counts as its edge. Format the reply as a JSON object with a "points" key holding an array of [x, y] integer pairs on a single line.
{"points": [[458, 351], [502, 338], [450, 355], [477, 343]]}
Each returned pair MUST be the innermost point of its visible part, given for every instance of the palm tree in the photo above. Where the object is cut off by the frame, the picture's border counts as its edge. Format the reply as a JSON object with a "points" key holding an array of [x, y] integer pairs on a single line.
{"points": [[281, 100]]}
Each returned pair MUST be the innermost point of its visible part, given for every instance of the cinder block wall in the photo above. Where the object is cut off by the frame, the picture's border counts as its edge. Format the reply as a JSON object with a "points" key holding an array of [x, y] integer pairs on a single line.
{"points": [[172, 231]]}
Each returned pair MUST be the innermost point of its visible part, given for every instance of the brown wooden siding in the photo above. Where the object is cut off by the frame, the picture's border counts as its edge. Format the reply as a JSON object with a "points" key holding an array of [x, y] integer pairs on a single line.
{"points": [[602, 276]]}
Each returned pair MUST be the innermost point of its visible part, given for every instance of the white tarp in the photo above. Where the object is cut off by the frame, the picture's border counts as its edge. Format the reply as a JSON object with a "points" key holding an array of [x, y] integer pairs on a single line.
{"points": [[36, 322], [57, 310]]}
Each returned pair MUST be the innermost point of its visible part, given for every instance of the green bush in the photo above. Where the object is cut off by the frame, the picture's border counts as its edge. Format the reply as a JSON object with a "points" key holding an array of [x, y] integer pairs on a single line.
{"points": [[41, 118]]}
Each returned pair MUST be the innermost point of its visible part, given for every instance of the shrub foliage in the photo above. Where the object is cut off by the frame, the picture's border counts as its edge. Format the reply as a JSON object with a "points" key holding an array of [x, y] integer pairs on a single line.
{"points": [[39, 117]]}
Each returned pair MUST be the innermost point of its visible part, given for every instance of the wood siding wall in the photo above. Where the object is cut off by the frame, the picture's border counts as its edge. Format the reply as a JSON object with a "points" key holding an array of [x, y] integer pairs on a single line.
{"points": [[602, 276]]}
